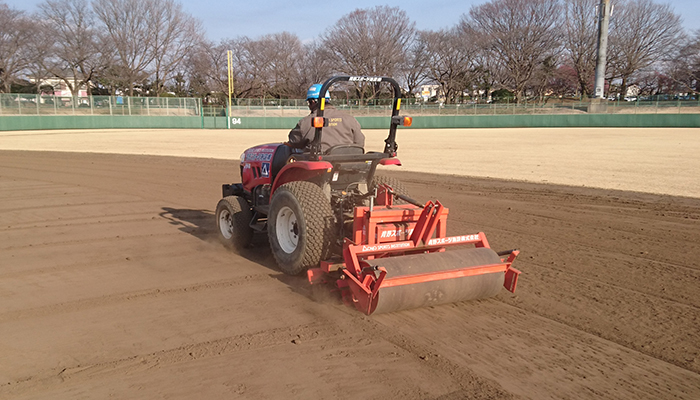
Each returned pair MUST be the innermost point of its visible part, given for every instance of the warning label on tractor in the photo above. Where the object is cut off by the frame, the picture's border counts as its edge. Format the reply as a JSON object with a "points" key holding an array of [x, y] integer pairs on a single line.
{"points": [[453, 240]]}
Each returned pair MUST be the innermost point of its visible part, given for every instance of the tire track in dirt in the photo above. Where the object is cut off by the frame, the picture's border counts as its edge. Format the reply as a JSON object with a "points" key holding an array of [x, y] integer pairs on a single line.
{"points": [[106, 260], [650, 293], [80, 222], [665, 315], [333, 321], [525, 353], [472, 386], [47, 380], [84, 304], [61, 243]]}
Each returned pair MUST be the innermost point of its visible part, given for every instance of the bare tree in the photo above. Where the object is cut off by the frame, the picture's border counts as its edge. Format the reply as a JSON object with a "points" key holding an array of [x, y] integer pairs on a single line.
{"points": [[684, 66], [249, 66], [277, 59], [414, 69], [521, 34], [38, 50], [542, 81], [207, 70], [175, 35], [642, 33], [369, 42], [580, 40], [268, 66], [316, 65], [75, 55], [449, 61], [15, 34], [130, 33]]}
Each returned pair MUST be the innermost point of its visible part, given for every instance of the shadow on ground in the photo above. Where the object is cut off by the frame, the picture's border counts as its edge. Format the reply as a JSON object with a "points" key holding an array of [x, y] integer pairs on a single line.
{"points": [[202, 225]]}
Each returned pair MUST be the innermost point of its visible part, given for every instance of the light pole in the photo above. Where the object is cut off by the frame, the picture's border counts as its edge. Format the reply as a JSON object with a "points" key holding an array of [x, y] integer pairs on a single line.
{"points": [[604, 11]]}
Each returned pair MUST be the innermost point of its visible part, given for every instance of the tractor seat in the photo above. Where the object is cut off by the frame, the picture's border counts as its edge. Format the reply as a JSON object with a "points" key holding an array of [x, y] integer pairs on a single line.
{"points": [[346, 149], [280, 158]]}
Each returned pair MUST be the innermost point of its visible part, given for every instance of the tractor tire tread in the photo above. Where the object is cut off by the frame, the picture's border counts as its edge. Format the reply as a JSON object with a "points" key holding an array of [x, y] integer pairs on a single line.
{"points": [[318, 218], [241, 216], [394, 183]]}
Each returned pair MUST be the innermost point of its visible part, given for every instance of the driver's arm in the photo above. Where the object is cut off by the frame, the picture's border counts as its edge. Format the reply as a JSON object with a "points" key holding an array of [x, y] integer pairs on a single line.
{"points": [[299, 137]]}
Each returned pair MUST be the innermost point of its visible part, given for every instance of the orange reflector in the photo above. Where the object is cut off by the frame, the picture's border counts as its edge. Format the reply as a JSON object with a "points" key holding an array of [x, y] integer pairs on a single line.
{"points": [[318, 122], [407, 121]]}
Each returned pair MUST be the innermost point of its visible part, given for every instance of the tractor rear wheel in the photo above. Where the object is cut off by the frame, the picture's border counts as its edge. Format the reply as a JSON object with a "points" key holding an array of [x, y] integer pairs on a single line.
{"points": [[233, 216], [300, 226], [391, 182]]}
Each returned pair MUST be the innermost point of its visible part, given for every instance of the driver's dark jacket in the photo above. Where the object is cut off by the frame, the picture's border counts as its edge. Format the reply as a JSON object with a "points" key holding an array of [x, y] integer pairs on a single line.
{"points": [[342, 128]]}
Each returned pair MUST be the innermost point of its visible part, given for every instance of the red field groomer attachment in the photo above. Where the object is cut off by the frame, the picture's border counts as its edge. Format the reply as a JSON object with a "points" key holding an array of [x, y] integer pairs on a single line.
{"points": [[400, 258]]}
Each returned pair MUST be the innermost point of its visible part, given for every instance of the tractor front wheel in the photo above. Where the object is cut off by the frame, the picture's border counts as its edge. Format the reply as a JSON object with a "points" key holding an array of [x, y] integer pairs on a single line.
{"points": [[299, 226], [233, 216]]}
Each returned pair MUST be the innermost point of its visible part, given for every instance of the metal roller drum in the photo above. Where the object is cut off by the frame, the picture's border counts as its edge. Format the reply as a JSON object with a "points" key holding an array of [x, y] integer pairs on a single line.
{"points": [[426, 294]]}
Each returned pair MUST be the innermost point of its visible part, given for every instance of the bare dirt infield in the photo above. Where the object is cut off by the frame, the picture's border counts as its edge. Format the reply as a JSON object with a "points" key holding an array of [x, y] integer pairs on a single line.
{"points": [[112, 284]]}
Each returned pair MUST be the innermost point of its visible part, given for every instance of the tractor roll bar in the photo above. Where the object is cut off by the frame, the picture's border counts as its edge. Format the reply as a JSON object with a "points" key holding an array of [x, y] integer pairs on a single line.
{"points": [[390, 147]]}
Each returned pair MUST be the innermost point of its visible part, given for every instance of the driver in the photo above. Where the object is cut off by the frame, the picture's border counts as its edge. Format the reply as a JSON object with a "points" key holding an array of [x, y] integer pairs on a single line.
{"points": [[342, 128]]}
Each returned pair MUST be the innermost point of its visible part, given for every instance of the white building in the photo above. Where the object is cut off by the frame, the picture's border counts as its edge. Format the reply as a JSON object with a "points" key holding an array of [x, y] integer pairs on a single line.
{"points": [[60, 88]]}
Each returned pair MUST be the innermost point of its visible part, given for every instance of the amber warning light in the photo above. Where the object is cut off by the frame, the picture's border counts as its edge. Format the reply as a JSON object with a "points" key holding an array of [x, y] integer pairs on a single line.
{"points": [[403, 121]]}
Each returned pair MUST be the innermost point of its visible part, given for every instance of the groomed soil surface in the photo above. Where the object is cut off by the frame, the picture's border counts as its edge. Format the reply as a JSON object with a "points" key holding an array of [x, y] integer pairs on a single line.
{"points": [[113, 284]]}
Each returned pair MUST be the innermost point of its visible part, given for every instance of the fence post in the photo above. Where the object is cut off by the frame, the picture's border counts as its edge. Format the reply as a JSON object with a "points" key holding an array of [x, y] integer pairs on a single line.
{"points": [[55, 107], [37, 104], [19, 105]]}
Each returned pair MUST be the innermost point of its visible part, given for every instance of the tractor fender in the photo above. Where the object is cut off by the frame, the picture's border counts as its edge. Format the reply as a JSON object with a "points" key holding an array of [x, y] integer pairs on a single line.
{"points": [[301, 171], [390, 161]]}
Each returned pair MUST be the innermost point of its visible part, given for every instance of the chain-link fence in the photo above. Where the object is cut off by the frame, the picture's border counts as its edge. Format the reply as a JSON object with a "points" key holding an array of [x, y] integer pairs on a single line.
{"points": [[31, 104], [34, 104], [382, 107]]}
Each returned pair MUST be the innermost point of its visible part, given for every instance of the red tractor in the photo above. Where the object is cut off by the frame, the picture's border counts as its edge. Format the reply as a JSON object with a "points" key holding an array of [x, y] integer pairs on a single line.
{"points": [[330, 215]]}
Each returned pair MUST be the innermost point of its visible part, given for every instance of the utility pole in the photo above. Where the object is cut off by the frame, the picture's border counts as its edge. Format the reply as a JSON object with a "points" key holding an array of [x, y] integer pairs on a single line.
{"points": [[604, 11]]}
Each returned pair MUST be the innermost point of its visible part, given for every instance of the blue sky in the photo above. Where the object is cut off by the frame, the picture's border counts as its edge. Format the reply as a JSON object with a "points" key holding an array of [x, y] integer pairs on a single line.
{"points": [[308, 19]]}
